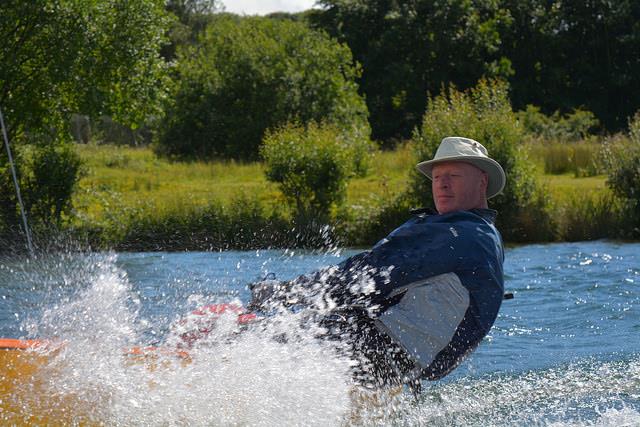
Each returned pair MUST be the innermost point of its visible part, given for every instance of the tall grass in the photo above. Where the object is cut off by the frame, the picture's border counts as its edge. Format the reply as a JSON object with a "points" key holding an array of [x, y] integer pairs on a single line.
{"points": [[120, 178], [582, 159], [588, 216]]}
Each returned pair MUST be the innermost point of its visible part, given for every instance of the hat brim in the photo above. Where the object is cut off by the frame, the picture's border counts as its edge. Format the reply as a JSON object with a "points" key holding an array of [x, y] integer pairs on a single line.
{"points": [[497, 178]]}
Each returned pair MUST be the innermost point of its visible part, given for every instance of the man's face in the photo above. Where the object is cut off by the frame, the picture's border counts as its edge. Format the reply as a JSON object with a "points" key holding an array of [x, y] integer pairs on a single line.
{"points": [[458, 186]]}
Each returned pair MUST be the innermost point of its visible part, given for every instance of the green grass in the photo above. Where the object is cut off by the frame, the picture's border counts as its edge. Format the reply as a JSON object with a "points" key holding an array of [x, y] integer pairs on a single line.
{"points": [[388, 176], [117, 178], [124, 177], [567, 185]]}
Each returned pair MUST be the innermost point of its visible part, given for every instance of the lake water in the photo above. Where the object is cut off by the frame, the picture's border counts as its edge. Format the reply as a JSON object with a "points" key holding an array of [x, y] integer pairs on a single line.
{"points": [[565, 351]]}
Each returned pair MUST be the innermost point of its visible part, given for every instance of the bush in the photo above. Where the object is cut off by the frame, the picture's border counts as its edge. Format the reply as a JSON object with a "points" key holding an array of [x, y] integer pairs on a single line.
{"points": [[242, 224], [247, 75], [312, 164], [623, 163], [575, 126], [363, 226], [484, 114], [47, 173], [54, 170]]}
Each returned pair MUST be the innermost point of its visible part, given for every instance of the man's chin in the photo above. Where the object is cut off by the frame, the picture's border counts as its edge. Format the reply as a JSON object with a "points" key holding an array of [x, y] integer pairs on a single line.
{"points": [[445, 206]]}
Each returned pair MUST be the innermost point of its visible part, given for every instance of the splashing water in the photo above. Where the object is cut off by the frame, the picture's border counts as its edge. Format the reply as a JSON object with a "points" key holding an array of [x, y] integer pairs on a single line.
{"points": [[243, 376], [250, 380]]}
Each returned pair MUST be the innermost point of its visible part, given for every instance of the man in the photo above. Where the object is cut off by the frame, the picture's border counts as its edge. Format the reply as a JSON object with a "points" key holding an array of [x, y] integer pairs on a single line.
{"points": [[425, 296]]}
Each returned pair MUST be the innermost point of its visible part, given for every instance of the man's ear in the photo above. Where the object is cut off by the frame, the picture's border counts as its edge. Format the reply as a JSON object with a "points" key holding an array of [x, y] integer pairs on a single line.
{"points": [[485, 180]]}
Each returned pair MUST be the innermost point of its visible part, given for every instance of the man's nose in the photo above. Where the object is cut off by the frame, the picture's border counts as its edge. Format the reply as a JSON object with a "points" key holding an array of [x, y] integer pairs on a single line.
{"points": [[444, 182]]}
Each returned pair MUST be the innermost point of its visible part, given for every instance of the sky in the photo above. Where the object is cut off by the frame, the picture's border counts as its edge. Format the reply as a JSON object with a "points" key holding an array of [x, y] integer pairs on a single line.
{"points": [[262, 7]]}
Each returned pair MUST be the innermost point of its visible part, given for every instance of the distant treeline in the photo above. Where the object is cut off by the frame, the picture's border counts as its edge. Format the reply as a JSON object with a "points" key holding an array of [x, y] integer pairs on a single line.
{"points": [[558, 55]]}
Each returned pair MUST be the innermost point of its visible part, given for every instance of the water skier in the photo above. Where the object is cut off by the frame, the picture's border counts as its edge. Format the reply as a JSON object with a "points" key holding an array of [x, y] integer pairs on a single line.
{"points": [[424, 297]]}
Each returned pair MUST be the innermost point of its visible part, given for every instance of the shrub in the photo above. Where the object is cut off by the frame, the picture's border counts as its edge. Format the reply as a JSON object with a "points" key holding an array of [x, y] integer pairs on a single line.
{"points": [[54, 170], [242, 224], [623, 163], [574, 126], [47, 173], [247, 75], [484, 114], [363, 226], [312, 164]]}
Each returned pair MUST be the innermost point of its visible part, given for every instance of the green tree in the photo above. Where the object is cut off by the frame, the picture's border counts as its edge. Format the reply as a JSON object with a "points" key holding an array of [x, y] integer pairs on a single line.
{"points": [[312, 165], [484, 113], [411, 48], [247, 75], [106, 61], [63, 56], [192, 17], [570, 55]]}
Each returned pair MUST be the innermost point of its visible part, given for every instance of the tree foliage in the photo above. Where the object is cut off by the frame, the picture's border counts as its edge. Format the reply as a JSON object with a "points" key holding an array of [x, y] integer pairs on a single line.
{"points": [[63, 56], [248, 75], [192, 17], [571, 55], [409, 49], [559, 55], [575, 126], [94, 57]]}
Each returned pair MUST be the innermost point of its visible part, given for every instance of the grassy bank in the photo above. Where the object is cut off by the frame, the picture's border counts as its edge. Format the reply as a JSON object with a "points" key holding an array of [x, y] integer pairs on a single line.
{"points": [[121, 179], [130, 199]]}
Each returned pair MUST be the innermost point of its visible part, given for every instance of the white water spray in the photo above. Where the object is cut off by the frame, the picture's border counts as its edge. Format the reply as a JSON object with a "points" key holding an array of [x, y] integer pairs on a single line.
{"points": [[252, 379]]}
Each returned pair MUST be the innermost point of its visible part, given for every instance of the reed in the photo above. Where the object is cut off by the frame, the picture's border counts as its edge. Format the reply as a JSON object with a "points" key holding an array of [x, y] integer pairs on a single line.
{"points": [[582, 159], [592, 216]]}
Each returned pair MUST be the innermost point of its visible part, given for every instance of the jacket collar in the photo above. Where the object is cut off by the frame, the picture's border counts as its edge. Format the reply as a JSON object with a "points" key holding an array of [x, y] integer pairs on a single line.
{"points": [[486, 214]]}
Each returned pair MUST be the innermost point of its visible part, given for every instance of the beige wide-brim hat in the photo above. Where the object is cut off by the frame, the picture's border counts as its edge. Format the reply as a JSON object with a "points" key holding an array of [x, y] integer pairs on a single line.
{"points": [[459, 149]]}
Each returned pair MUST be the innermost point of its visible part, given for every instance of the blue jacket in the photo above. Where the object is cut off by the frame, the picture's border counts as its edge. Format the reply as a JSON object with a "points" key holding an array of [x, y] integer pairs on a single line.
{"points": [[464, 242], [438, 280], [434, 285]]}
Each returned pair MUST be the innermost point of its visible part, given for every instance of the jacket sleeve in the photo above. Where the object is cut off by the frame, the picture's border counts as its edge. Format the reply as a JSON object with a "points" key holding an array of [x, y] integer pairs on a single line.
{"points": [[415, 251]]}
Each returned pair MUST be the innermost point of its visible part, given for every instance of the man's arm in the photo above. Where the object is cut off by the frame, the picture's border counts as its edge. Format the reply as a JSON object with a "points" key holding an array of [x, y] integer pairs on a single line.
{"points": [[413, 252]]}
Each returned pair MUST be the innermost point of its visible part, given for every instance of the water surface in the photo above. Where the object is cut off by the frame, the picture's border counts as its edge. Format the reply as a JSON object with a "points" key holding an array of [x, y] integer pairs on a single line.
{"points": [[564, 351]]}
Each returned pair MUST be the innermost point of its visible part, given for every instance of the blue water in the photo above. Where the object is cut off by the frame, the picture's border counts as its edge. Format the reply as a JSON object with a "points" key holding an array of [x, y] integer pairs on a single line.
{"points": [[564, 351]]}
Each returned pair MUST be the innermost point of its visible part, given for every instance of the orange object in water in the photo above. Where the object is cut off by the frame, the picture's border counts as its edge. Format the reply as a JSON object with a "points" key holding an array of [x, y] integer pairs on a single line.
{"points": [[26, 372], [26, 396], [16, 344]]}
